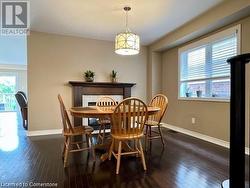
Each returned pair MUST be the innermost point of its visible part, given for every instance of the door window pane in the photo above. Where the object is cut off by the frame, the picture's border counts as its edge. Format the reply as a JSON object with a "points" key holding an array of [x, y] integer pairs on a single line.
{"points": [[7, 93]]}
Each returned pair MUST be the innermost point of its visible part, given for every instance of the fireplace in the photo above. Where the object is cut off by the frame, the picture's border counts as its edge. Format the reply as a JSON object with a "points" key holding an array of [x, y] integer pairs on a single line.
{"points": [[93, 90], [90, 100]]}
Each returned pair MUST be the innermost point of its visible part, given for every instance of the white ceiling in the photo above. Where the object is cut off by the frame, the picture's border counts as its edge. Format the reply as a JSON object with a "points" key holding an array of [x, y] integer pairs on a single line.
{"points": [[102, 19]]}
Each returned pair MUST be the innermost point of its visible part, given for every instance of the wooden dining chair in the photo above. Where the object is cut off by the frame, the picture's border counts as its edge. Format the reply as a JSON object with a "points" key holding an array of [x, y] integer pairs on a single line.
{"points": [[160, 101], [23, 104], [103, 104], [128, 122], [69, 132]]}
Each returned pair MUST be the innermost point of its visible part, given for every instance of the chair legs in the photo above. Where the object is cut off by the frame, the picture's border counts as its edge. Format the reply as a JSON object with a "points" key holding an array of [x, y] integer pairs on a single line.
{"points": [[149, 137], [101, 134], [67, 147], [23, 122], [111, 148], [146, 139], [142, 156], [66, 153], [92, 146], [119, 157], [162, 140], [25, 118], [136, 151], [87, 140], [64, 147]]}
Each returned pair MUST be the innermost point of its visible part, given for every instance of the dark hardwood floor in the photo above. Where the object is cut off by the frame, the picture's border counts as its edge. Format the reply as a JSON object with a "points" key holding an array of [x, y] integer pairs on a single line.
{"points": [[185, 162]]}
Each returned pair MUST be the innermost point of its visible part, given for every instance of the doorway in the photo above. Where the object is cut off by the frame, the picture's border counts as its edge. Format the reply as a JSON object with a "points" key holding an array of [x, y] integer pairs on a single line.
{"points": [[7, 92], [13, 78]]}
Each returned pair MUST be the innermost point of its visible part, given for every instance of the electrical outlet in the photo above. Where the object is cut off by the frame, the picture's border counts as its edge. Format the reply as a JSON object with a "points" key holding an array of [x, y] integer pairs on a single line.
{"points": [[193, 120]]}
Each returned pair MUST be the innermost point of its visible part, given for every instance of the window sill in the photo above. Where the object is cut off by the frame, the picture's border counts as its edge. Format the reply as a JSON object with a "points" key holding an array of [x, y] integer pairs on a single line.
{"points": [[203, 99]]}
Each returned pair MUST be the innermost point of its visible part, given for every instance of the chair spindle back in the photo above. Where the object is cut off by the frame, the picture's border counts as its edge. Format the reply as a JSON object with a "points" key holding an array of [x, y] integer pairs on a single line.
{"points": [[65, 118], [129, 117], [105, 103], [160, 101]]}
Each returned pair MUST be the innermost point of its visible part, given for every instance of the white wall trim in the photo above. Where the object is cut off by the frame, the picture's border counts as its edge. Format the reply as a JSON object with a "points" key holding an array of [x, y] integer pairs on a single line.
{"points": [[201, 136], [54, 131], [12, 67], [44, 132]]}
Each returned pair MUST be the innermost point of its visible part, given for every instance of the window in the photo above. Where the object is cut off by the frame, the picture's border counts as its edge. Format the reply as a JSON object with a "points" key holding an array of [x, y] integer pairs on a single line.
{"points": [[204, 73]]}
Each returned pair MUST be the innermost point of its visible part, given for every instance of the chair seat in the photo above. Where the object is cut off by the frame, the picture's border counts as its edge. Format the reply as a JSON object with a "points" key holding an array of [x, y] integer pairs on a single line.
{"points": [[126, 136], [151, 123], [78, 131]]}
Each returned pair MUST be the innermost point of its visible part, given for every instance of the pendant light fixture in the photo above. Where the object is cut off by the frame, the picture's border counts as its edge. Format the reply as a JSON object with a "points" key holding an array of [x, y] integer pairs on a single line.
{"points": [[127, 43]]}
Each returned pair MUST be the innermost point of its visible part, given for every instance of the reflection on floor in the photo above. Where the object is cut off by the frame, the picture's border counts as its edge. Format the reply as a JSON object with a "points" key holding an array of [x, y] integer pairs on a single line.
{"points": [[8, 131], [185, 162]]}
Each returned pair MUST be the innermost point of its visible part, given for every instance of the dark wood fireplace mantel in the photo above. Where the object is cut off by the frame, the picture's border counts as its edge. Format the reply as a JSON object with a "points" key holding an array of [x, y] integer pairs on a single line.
{"points": [[80, 88], [100, 84]]}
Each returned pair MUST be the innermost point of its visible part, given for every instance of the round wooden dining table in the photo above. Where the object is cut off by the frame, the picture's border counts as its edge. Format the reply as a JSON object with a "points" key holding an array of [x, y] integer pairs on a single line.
{"points": [[96, 112]]}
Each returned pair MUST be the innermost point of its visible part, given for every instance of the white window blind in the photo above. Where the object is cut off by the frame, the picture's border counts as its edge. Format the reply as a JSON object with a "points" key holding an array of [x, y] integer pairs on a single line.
{"points": [[203, 67], [221, 51]]}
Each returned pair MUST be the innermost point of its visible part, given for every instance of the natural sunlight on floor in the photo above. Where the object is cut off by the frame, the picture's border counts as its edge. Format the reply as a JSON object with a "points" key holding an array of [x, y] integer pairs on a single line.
{"points": [[8, 131]]}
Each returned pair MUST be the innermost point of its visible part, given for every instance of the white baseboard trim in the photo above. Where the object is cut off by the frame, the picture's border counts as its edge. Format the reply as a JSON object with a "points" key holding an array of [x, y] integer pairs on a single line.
{"points": [[44, 132], [201, 136], [54, 131]]}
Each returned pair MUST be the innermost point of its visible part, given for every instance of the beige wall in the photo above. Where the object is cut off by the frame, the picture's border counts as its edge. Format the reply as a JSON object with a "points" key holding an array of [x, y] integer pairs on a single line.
{"points": [[154, 78], [53, 60], [156, 73], [212, 117]]}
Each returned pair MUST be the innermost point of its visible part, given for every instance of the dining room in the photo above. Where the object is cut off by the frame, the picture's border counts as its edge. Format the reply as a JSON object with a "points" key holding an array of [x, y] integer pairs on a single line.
{"points": [[130, 94]]}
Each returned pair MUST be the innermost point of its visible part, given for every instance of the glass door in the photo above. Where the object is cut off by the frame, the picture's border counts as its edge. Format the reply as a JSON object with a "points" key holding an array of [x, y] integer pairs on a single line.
{"points": [[7, 92]]}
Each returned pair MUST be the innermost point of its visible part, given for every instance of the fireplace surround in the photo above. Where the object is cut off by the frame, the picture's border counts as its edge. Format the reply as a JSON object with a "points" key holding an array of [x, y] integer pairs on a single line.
{"points": [[80, 89]]}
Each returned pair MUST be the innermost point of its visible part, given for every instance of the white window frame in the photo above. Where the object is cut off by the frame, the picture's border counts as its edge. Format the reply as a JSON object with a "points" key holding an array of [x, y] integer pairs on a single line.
{"points": [[210, 39]]}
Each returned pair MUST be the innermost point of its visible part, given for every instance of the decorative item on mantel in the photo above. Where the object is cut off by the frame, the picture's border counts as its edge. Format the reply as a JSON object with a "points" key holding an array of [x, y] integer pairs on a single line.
{"points": [[89, 76], [113, 76]]}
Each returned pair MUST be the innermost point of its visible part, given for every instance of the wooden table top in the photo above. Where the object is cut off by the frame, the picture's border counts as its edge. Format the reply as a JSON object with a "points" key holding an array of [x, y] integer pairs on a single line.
{"points": [[94, 112]]}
